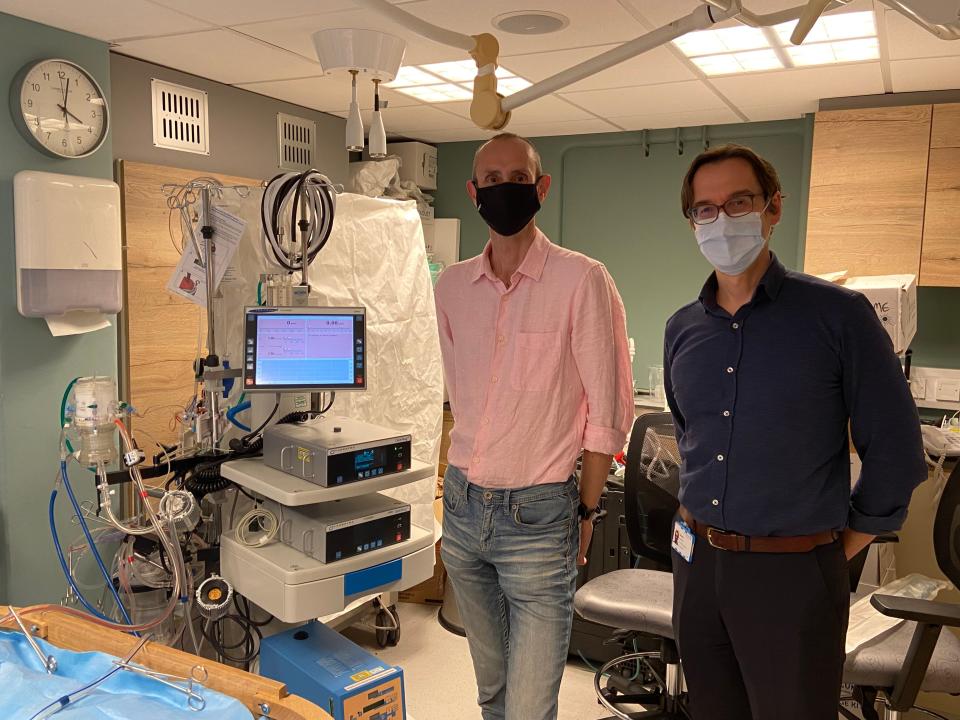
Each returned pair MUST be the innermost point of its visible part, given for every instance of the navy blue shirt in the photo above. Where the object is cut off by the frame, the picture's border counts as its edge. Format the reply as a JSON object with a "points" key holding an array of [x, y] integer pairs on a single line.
{"points": [[762, 401]]}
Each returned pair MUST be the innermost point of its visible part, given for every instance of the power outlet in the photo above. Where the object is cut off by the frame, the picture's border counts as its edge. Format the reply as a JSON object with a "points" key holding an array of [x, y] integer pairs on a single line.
{"points": [[948, 390], [918, 388]]}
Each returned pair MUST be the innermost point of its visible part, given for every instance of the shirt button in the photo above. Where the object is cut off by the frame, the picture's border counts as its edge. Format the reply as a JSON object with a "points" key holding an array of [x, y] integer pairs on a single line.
{"points": [[494, 379], [501, 339], [736, 326], [486, 421], [716, 502], [729, 370], [476, 460], [726, 413], [720, 458]]}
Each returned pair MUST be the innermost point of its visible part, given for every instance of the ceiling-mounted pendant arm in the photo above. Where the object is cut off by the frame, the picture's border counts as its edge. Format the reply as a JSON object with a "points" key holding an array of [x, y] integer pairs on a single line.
{"points": [[776, 18], [420, 27], [700, 19], [950, 31]]}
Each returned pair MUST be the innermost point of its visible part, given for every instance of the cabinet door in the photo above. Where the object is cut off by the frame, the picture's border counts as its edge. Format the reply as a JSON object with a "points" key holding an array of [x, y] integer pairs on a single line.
{"points": [[940, 257], [867, 188]]}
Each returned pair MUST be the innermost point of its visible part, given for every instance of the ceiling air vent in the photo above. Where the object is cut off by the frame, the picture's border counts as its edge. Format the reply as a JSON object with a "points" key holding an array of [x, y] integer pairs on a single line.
{"points": [[180, 118], [296, 142]]}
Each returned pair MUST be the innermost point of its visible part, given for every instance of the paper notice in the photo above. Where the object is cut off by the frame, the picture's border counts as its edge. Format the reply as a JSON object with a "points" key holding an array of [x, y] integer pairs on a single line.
{"points": [[74, 323], [190, 279]]}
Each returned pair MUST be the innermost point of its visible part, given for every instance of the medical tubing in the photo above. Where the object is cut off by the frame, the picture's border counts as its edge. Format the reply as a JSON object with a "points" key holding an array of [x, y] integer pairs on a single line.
{"points": [[63, 563], [63, 410], [238, 408], [64, 700], [90, 542], [285, 190]]}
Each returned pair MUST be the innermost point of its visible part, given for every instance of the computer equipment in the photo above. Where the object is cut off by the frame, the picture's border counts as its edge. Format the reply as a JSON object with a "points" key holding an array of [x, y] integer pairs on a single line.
{"points": [[304, 349]]}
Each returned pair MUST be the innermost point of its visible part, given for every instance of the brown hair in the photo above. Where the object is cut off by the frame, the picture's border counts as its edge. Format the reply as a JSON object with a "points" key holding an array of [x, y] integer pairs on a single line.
{"points": [[765, 172], [538, 165]]}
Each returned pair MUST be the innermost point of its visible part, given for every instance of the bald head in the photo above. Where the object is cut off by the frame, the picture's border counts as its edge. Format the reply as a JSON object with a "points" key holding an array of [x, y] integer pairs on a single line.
{"points": [[489, 158]]}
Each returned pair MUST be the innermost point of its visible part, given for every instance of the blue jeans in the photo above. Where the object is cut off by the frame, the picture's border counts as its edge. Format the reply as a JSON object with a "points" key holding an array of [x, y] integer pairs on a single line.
{"points": [[512, 558]]}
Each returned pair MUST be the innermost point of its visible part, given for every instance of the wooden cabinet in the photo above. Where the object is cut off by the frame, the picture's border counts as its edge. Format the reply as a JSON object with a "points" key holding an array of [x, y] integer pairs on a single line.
{"points": [[867, 190], [940, 256]]}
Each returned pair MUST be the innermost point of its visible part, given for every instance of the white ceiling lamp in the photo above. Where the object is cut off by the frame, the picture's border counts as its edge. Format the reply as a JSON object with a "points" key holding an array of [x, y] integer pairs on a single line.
{"points": [[371, 52]]}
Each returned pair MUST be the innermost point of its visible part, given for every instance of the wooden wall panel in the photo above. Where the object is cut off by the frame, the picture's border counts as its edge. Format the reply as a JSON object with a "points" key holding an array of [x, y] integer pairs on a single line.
{"points": [[160, 330], [940, 259], [867, 190]]}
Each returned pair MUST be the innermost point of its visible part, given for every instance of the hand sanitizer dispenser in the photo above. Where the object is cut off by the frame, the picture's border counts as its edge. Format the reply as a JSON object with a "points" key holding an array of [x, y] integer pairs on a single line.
{"points": [[69, 265]]}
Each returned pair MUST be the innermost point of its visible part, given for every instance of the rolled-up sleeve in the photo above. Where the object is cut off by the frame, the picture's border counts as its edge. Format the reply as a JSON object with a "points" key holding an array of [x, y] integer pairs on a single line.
{"points": [[601, 352], [884, 424]]}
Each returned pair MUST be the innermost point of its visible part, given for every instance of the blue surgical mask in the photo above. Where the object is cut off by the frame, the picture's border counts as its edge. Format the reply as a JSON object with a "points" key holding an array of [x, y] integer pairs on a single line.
{"points": [[731, 244]]}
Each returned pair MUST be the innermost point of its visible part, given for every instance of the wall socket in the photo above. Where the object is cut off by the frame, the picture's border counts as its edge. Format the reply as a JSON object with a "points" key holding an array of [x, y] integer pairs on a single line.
{"points": [[937, 388]]}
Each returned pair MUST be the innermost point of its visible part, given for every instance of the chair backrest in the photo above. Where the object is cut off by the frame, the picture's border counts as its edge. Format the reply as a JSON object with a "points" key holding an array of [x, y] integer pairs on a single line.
{"points": [[946, 528], [651, 484]]}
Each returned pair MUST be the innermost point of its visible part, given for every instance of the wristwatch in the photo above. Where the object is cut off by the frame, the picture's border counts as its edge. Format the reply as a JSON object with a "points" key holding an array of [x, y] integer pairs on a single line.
{"points": [[586, 513]]}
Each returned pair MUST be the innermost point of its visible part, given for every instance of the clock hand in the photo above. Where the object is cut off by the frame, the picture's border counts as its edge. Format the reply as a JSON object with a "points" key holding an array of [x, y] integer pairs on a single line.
{"points": [[64, 108]]}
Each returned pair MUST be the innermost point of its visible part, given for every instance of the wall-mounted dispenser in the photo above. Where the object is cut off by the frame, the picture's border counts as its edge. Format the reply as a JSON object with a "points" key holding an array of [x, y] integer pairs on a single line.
{"points": [[69, 265]]}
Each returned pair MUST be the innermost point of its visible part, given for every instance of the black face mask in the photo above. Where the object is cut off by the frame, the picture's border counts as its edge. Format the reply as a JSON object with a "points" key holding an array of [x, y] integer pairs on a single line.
{"points": [[507, 207]]}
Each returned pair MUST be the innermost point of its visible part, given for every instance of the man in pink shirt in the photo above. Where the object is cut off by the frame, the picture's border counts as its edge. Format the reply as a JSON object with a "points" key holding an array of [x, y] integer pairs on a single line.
{"points": [[537, 369]]}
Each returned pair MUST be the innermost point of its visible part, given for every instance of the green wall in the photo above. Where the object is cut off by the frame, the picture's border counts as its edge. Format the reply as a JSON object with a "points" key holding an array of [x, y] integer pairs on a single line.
{"points": [[34, 366], [615, 203]]}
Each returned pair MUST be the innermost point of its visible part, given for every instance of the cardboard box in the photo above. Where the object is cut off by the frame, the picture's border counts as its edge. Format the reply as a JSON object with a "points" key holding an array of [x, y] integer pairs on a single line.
{"points": [[894, 297], [429, 592]]}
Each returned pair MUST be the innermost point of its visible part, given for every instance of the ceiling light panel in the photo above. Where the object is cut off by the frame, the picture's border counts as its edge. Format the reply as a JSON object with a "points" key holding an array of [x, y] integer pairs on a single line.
{"points": [[714, 42], [844, 26], [460, 71], [446, 92], [411, 75], [843, 51]]}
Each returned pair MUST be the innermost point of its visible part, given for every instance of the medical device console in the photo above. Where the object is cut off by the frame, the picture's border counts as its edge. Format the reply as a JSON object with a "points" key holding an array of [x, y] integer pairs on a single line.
{"points": [[304, 349], [331, 451]]}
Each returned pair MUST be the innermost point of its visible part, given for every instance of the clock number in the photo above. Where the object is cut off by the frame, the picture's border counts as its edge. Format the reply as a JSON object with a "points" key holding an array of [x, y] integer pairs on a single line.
{"points": [[30, 103], [79, 140], [62, 75], [64, 142], [93, 114], [35, 87], [90, 131], [88, 97], [46, 76], [48, 135]]}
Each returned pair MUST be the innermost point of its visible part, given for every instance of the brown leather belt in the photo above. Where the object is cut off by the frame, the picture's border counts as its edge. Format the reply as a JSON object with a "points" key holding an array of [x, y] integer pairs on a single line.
{"points": [[734, 542]]}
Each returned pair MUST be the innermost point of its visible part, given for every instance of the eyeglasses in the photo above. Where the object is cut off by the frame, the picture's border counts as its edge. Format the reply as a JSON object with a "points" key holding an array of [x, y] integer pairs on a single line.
{"points": [[734, 207]]}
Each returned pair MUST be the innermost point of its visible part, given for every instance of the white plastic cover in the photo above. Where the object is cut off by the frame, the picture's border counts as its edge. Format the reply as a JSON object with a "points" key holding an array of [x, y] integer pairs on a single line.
{"points": [[866, 622], [375, 258]]}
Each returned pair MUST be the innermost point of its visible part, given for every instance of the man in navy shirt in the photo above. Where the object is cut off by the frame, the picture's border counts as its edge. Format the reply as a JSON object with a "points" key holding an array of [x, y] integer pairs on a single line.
{"points": [[764, 373]]}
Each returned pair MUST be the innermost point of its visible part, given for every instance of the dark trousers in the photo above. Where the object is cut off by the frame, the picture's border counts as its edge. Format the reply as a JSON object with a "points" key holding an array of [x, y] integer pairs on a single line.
{"points": [[761, 636]]}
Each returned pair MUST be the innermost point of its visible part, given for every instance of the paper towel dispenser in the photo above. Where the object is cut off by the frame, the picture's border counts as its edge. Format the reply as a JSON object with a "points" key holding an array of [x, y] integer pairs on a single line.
{"points": [[69, 265]]}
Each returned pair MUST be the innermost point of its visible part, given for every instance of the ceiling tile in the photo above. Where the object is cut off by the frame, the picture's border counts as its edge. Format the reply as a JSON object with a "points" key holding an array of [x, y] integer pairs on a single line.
{"points": [[656, 66], [906, 40], [236, 12], [801, 85], [597, 22], [295, 35], [104, 19], [546, 109], [928, 74], [221, 55], [420, 117], [665, 98], [679, 118], [438, 136], [327, 93]]}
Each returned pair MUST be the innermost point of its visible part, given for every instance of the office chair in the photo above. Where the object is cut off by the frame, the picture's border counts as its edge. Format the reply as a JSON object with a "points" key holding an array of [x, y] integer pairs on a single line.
{"points": [[641, 601], [915, 656]]}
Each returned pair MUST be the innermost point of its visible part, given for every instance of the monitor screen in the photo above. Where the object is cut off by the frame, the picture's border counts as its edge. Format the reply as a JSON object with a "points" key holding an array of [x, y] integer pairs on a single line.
{"points": [[304, 349]]}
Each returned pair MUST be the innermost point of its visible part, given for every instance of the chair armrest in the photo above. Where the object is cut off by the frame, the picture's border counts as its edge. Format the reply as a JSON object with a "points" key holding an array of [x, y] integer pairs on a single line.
{"points": [[928, 612]]}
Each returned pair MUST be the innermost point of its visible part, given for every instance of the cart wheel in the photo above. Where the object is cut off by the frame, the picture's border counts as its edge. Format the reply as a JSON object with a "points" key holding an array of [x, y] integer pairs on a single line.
{"points": [[393, 636], [383, 621]]}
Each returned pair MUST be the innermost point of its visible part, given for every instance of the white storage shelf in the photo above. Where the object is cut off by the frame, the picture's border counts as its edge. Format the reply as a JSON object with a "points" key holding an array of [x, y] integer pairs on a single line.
{"points": [[254, 475]]}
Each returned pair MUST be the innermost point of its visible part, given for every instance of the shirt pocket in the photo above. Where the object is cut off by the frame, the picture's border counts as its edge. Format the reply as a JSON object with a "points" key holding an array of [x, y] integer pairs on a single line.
{"points": [[536, 361]]}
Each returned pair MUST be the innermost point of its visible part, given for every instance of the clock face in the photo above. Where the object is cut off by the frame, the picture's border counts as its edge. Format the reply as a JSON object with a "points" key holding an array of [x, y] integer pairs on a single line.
{"points": [[63, 109]]}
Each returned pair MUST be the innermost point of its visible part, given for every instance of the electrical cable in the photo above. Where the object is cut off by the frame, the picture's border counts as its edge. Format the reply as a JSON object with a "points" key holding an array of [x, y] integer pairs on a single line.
{"points": [[268, 524], [90, 542], [288, 190], [245, 440]]}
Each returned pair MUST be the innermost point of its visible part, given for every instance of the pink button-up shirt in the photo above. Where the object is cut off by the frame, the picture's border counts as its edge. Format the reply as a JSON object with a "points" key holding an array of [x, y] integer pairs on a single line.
{"points": [[534, 372]]}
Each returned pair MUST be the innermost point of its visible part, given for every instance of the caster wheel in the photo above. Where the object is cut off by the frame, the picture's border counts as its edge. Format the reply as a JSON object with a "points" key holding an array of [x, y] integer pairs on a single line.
{"points": [[393, 636], [384, 620]]}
